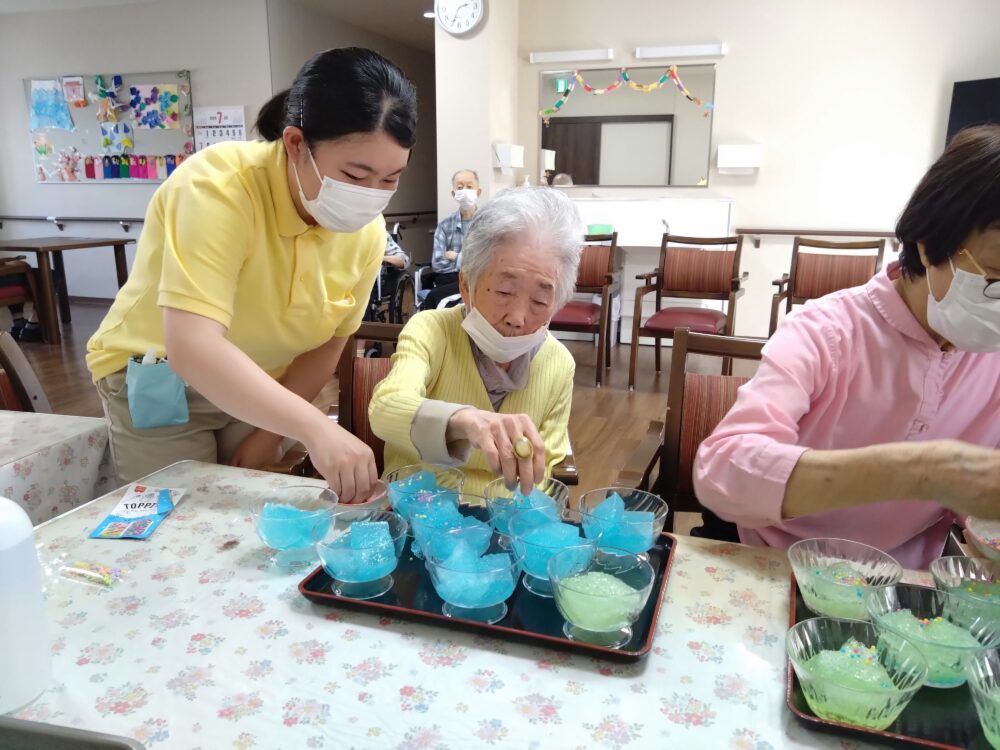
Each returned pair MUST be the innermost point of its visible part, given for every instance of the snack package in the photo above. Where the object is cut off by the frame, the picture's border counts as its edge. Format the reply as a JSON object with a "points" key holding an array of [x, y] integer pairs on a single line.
{"points": [[138, 513]]}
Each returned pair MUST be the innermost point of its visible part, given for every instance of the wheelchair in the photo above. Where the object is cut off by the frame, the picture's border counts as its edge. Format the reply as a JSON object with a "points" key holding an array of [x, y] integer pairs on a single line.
{"points": [[393, 298]]}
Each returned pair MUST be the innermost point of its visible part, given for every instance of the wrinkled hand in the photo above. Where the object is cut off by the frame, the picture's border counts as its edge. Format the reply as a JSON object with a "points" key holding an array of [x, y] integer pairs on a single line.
{"points": [[495, 434], [259, 450], [346, 463], [450, 255], [962, 476]]}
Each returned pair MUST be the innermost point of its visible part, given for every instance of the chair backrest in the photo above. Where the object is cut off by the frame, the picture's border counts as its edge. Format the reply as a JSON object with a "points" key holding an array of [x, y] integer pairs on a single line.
{"points": [[596, 261], [698, 271], [19, 386], [358, 377], [696, 404], [814, 275]]}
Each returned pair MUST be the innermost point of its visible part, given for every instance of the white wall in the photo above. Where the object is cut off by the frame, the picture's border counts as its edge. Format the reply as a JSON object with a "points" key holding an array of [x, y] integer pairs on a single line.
{"points": [[850, 100], [477, 100], [222, 42], [297, 32]]}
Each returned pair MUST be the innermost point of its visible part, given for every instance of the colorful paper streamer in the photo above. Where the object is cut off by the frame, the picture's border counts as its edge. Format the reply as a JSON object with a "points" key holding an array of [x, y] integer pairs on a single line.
{"points": [[623, 78]]}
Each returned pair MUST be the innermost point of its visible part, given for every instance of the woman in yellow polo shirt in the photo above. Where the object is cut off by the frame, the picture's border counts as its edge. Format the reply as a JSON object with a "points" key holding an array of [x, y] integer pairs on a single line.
{"points": [[254, 265]]}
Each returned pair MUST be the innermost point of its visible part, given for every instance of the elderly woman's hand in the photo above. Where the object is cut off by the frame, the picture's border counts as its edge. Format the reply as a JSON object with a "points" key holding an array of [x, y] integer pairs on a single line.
{"points": [[495, 435], [962, 476]]}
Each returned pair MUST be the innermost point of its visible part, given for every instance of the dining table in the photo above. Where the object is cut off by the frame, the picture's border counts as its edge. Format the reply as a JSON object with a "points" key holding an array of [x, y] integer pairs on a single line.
{"points": [[51, 463], [202, 643], [54, 301]]}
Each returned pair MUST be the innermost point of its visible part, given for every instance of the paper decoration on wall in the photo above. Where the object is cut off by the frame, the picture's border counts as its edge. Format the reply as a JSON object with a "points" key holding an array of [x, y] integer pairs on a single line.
{"points": [[117, 144], [684, 90], [73, 91], [108, 105], [217, 124], [48, 106], [155, 107], [69, 164], [623, 76], [608, 89], [549, 111], [42, 145], [645, 88], [116, 138]]}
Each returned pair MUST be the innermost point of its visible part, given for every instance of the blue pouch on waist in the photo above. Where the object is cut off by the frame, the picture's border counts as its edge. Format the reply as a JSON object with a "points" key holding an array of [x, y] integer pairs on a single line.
{"points": [[156, 396]]}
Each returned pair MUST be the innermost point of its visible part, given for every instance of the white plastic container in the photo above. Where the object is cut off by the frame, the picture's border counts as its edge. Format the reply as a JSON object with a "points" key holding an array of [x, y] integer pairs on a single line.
{"points": [[25, 652]]}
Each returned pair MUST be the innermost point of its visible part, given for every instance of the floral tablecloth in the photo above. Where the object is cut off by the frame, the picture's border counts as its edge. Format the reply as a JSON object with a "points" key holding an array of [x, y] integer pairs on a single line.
{"points": [[51, 463], [202, 645]]}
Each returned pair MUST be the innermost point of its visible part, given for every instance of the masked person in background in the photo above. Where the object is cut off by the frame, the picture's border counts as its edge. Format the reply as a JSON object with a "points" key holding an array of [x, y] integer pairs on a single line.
{"points": [[449, 237], [468, 383], [875, 413], [254, 266]]}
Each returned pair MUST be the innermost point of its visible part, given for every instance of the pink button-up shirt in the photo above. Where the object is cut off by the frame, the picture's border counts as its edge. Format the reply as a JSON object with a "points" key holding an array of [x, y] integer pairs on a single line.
{"points": [[852, 369]]}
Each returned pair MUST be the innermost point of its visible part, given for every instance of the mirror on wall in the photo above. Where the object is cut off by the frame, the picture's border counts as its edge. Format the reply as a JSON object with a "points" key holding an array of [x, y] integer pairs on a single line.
{"points": [[627, 137]]}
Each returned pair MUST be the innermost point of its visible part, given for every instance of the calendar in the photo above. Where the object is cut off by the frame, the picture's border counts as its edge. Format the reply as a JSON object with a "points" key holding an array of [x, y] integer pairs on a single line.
{"points": [[218, 124]]}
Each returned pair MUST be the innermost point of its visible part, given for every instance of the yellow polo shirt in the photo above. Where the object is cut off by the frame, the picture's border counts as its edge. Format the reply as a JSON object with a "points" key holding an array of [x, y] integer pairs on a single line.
{"points": [[222, 239]]}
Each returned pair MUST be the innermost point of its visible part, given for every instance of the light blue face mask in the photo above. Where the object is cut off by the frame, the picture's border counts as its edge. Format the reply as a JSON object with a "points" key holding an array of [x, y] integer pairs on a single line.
{"points": [[156, 395]]}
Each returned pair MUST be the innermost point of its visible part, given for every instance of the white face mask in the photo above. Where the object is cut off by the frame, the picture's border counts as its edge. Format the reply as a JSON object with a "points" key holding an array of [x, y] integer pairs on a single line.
{"points": [[495, 345], [965, 316], [466, 197], [341, 207]]}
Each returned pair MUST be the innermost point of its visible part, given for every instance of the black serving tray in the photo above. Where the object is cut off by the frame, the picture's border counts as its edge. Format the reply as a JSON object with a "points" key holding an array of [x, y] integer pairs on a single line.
{"points": [[945, 719], [530, 619]]}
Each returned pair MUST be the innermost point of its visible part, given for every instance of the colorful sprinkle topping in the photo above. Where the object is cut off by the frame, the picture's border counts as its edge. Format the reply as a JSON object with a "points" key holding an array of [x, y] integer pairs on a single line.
{"points": [[857, 650]]}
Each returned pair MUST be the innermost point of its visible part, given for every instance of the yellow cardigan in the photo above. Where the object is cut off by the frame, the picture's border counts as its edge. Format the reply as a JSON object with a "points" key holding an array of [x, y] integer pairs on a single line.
{"points": [[434, 360]]}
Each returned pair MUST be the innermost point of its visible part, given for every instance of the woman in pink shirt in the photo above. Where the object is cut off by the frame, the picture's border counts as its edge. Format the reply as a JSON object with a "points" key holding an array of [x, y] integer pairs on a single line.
{"points": [[875, 413]]}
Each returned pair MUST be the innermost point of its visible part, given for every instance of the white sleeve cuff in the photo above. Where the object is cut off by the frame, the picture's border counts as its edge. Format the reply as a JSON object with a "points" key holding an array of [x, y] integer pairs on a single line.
{"points": [[428, 431]]}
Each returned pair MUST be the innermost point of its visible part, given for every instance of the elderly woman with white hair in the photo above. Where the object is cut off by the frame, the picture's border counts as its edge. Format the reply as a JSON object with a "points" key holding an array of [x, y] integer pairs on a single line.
{"points": [[471, 384]]}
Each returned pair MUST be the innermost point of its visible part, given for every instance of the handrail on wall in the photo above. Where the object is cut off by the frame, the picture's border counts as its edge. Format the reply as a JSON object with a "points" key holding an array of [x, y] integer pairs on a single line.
{"points": [[756, 234], [126, 223]]}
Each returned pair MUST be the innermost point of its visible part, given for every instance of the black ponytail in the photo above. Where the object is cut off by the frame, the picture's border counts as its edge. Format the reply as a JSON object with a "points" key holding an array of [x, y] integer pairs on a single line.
{"points": [[271, 118], [343, 91]]}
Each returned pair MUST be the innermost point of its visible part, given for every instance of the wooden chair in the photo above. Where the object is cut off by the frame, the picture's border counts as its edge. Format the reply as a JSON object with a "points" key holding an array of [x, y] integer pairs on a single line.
{"points": [[696, 404], [689, 273], [17, 294], [358, 377], [19, 387], [814, 275], [596, 276]]}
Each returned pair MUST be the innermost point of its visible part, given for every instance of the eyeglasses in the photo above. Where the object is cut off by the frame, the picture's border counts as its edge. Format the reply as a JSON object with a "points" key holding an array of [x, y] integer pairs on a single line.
{"points": [[992, 289]]}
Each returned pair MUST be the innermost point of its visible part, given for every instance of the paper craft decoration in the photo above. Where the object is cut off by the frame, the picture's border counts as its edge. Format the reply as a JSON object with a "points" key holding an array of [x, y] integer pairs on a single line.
{"points": [[155, 107], [116, 138], [623, 77], [73, 91], [48, 106], [69, 164], [43, 147]]}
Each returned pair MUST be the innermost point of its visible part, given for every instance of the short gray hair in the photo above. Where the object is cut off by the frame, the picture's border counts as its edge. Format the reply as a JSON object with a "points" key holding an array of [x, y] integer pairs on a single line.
{"points": [[473, 172], [527, 209]]}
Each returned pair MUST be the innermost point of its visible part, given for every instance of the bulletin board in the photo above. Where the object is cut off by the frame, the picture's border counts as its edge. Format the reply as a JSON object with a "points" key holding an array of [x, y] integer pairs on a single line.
{"points": [[114, 127]]}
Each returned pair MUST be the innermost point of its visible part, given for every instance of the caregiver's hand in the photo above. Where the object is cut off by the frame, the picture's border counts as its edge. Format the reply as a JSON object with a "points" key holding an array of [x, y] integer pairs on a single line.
{"points": [[962, 476], [494, 434], [258, 450], [345, 462]]}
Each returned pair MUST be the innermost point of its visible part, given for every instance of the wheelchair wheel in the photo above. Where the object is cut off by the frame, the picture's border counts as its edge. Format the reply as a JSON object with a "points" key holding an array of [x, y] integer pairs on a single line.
{"points": [[403, 301]]}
